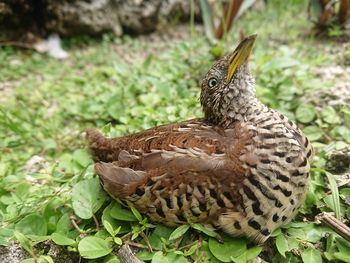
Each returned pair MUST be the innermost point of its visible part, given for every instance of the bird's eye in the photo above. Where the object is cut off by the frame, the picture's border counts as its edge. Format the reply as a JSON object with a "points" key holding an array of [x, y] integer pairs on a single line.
{"points": [[212, 82]]}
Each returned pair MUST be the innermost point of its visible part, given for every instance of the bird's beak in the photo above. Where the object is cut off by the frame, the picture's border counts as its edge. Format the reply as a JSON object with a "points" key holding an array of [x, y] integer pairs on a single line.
{"points": [[240, 55]]}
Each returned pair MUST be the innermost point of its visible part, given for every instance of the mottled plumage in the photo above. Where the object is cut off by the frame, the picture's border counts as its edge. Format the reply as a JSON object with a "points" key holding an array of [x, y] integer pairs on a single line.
{"points": [[243, 168]]}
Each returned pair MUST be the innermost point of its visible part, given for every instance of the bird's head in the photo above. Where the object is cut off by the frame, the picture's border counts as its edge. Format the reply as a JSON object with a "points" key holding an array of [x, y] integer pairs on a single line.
{"points": [[228, 87]]}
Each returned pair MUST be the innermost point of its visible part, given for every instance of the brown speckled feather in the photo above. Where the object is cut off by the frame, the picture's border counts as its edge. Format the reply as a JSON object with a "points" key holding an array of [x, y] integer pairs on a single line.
{"points": [[244, 168]]}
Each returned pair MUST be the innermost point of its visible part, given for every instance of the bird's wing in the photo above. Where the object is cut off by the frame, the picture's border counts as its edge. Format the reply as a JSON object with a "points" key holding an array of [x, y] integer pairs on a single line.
{"points": [[179, 153], [186, 135]]}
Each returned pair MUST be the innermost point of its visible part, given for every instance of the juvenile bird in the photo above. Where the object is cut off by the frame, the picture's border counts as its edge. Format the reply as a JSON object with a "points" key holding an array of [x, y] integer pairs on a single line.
{"points": [[243, 168]]}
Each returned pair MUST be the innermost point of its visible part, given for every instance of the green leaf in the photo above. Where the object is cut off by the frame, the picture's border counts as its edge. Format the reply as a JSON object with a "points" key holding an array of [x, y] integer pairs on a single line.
{"points": [[248, 255], [313, 133], [43, 258], [94, 247], [87, 197], [63, 224], [25, 242], [118, 241], [159, 257], [136, 213], [329, 115], [32, 225], [62, 240], [335, 194], [178, 232], [28, 260], [343, 246], [205, 230], [344, 132], [144, 255], [159, 233], [82, 157], [253, 252], [207, 17], [120, 213], [106, 216], [112, 259], [305, 113], [191, 250], [311, 255], [282, 245], [341, 256], [109, 228], [230, 248], [205, 254]]}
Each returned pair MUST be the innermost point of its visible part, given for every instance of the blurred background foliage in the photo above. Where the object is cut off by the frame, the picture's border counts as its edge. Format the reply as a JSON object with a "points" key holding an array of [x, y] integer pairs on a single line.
{"points": [[50, 199]]}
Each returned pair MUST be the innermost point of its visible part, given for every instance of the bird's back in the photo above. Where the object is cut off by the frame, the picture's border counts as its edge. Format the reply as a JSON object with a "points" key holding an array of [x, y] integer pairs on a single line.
{"points": [[246, 179]]}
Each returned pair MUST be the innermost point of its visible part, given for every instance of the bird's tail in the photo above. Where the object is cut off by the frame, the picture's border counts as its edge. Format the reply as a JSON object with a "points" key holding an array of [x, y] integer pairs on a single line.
{"points": [[101, 148]]}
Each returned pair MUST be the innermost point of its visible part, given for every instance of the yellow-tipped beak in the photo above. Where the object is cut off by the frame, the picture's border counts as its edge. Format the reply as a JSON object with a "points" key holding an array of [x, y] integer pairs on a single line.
{"points": [[240, 55]]}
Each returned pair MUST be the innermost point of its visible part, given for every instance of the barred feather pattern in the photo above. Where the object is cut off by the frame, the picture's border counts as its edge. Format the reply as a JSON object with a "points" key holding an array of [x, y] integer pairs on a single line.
{"points": [[243, 168]]}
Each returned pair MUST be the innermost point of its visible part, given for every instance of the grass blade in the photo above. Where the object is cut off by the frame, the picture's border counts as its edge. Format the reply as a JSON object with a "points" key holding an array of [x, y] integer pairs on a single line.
{"points": [[335, 194]]}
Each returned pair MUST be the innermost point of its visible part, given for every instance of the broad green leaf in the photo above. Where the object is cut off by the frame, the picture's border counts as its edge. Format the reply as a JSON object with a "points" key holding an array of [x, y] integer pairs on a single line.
{"points": [[205, 254], [311, 255], [305, 113], [276, 232], [115, 110], [282, 245], [82, 157], [253, 252], [343, 246], [50, 214], [342, 256], [87, 197], [102, 233], [171, 257], [94, 247], [62, 240], [144, 255], [159, 233], [344, 132], [106, 216], [22, 190], [112, 259], [120, 213], [247, 255], [178, 232], [292, 243], [313, 133], [63, 224], [32, 224], [230, 248], [329, 115]]}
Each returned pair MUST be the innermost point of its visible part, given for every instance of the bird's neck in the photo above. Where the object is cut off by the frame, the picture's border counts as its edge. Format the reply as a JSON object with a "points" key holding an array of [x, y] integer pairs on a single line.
{"points": [[239, 109]]}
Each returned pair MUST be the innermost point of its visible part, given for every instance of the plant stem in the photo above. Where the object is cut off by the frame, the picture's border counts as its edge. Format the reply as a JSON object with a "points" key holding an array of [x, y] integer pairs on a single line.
{"points": [[335, 224]]}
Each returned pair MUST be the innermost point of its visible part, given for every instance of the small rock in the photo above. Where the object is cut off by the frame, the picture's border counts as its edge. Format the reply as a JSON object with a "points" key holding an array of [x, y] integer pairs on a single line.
{"points": [[35, 164], [52, 46], [13, 253], [338, 163]]}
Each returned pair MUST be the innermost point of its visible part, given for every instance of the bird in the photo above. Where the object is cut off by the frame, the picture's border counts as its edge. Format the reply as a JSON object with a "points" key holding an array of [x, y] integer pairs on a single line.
{"points": [[242, 169]]}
